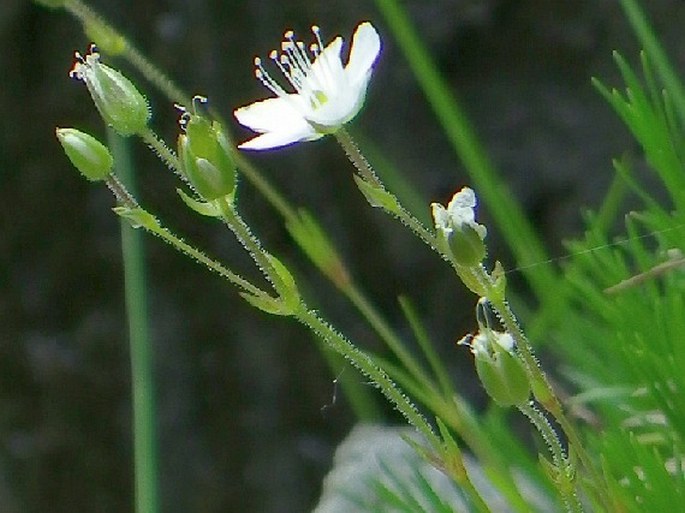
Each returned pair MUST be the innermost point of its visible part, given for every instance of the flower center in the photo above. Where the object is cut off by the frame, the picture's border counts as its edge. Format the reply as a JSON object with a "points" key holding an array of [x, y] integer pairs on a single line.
{"points": [[307, 72]]}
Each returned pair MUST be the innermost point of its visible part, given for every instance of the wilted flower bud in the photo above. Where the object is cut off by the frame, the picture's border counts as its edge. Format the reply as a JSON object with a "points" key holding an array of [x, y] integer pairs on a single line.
{"points": [[457, 228], [499, 368], [204, 152], [119, 102], [87, 154]]}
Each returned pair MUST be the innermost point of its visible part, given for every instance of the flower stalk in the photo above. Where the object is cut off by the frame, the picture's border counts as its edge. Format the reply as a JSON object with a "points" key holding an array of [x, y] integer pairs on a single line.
{"points": [[375, 191]]}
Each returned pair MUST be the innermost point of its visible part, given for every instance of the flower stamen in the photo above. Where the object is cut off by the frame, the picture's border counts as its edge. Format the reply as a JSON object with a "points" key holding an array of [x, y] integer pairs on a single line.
{"points": [[296, 65], [92, 57], [316, 49], [266, 79]]}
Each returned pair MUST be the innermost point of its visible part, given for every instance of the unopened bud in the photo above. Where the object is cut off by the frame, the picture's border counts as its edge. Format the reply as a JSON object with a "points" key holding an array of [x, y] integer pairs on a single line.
{"points": [[119, 102], [205, 153], [462, 237], [87, 154]]}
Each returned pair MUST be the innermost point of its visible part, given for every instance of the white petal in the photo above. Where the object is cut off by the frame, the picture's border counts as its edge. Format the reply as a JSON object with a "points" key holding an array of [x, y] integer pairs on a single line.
{"points": [[465, 198], [279, 139], [279, 122], [366, 45], [440, 216], [332, 50], [327, 74], [270, 115], [505, 340], [337, 111]]}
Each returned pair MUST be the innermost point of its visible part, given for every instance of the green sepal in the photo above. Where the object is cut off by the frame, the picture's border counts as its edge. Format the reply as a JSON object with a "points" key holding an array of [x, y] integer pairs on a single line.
{"points": [[502, 372], [377, 196], [470, 279], [268, 304], [138, 217], [290, 295], [498, 290], [541, 391], [204, 208], [466, 245]]}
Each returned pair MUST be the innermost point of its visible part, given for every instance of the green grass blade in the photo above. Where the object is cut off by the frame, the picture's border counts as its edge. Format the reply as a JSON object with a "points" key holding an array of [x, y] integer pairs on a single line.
{"points": [[434, 360], [142, 375], [656, 53]]}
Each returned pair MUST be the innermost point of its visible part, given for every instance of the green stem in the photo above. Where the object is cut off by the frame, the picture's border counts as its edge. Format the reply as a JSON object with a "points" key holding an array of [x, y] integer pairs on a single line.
{"points": [[89, 18], [125, 198], [165, 153], [356, 157], [367, 174], [566, 480], [251, 243], [120, 192], [211, 264], [543, 389], [368, 367], [142, 365], [324, 330], [548, 397], [479, 274]]}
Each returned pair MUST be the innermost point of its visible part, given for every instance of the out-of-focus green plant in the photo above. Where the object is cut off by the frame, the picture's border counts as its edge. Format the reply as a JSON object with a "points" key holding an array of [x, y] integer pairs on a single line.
{"points": [[616, 309]]}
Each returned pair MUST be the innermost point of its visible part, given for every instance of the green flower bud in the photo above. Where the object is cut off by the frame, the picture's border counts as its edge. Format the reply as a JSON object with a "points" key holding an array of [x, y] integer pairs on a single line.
{"points": [[119, 102], [87, 154], [461, 236], [205, 154], [499, 368], [466, 245]]}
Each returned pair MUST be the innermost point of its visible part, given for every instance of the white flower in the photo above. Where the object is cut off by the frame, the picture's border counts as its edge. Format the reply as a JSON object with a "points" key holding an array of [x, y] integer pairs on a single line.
{"points": [[458, 214], [327, 95]]}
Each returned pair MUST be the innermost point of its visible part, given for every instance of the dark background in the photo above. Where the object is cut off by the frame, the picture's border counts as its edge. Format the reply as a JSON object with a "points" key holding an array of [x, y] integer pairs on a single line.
{"points": [[240, 393]]}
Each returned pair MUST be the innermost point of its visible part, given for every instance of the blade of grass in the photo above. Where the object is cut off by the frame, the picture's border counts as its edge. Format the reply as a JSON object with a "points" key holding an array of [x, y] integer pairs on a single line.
{"points": [[436, 365], [142, 375], [656, 53]]}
